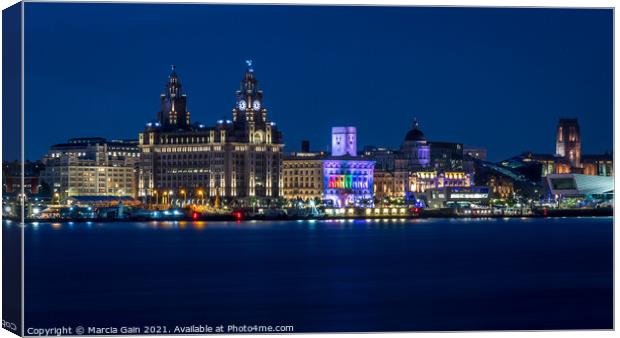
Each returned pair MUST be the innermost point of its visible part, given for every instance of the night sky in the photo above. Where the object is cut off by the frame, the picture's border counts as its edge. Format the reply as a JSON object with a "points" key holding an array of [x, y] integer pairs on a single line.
{"points": [[494, 78]]}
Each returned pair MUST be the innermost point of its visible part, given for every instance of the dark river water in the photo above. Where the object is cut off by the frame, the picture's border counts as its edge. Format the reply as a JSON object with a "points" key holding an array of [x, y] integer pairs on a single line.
{"points": [[323, 276]]}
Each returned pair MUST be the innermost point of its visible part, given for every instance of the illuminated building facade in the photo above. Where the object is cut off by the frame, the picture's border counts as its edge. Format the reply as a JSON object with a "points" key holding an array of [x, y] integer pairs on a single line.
{"points": [[425, 185], [302, 175], [238, 158], [421, 181], [348, 182], [500, 187], [347, 179], [340, 180], [458, 196], [92, 166], [568, 142], [384, 184], [415, 150], [568, 158], [598, 165], [344, 141], [595, 189], [393, 167], [417, 166], [388, 182]]}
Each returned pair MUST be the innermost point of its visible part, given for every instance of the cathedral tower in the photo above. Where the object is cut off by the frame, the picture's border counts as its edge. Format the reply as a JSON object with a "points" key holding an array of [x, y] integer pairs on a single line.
{"points": [[568, 141]]}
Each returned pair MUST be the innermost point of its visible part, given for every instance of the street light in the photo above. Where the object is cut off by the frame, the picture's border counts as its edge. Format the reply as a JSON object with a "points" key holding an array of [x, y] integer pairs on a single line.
{"points": [[200, 194], [182, 191]]}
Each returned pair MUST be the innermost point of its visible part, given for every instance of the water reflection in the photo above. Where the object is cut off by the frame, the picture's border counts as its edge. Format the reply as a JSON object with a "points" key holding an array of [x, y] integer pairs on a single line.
{"points": [[308, 225]]}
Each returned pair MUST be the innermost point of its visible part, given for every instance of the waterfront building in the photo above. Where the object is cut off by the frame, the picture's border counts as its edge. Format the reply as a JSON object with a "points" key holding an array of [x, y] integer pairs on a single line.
{"points": [[417, 166], [598, 165], [500, 187], [12, 178], [385, 186], [568, 158], [525, 175], [101, 201], [579, 189], [446, 155], [342, 179], [413, 155], [347, 179], [421, 181], [92, 166], [415, 150], [385, 159], [238, 159], [423, 184], [302, 175], [458, 196], [388, 182], [509, 179]]}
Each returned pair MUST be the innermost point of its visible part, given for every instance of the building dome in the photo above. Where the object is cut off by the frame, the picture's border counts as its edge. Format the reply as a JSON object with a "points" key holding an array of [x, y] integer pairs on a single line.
{"points": [[415, 134]]}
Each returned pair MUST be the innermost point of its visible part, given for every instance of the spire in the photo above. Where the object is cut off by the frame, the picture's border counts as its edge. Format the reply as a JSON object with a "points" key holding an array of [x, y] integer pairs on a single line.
{"points": [[173, 87], [173, 113], [416, 124], [173, 77], [249, 84], [249, 63]]}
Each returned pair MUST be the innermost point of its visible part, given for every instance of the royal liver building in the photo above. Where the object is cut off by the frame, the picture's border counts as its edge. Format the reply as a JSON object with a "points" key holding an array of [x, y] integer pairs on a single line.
{"points": [[238, 158]]}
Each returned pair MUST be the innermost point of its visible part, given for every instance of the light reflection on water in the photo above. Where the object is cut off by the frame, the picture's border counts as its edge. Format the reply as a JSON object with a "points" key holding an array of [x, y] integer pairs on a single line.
{"points": [[311, 224], [413, 274]]}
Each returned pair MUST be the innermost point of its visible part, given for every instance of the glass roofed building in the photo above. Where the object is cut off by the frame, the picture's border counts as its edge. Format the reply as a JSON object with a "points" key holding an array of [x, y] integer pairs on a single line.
{"points": [[596, 189]]}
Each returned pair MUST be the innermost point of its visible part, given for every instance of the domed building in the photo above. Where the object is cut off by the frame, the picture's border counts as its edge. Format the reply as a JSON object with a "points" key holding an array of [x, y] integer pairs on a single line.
{"points": [[418, 167], [415, 148], [414, 135]]}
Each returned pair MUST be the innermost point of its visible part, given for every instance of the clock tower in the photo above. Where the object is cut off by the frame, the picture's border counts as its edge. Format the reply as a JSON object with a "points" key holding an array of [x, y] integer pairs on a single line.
{"points": [[173, 114], [249, 114]]}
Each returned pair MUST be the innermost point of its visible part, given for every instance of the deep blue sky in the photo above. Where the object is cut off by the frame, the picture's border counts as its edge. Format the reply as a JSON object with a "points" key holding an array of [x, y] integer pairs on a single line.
{"points": [[495, 78]]}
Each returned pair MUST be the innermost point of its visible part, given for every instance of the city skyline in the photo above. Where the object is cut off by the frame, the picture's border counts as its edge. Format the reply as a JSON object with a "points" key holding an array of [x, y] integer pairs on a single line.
{"points": [[323, 81]]}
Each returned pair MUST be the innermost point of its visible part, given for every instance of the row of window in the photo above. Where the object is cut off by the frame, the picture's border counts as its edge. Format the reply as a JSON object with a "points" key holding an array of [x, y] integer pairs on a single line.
{"points": [[303, 172], [301, 185], [349, 172]]}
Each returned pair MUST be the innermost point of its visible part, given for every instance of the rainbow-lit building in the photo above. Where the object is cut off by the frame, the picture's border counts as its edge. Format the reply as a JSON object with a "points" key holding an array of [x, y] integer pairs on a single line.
{"points": [[340, 180], [347, 179], [348, 182]]}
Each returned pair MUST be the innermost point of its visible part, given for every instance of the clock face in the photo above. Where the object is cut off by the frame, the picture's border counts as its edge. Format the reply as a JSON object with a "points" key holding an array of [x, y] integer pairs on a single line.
{"points": [[242, 105], [256, 105]]}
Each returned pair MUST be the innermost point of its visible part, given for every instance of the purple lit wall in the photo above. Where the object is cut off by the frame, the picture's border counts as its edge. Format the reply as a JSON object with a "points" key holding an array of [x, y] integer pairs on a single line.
{"points": [[348, 183], [344, 141], [424, 155]]}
